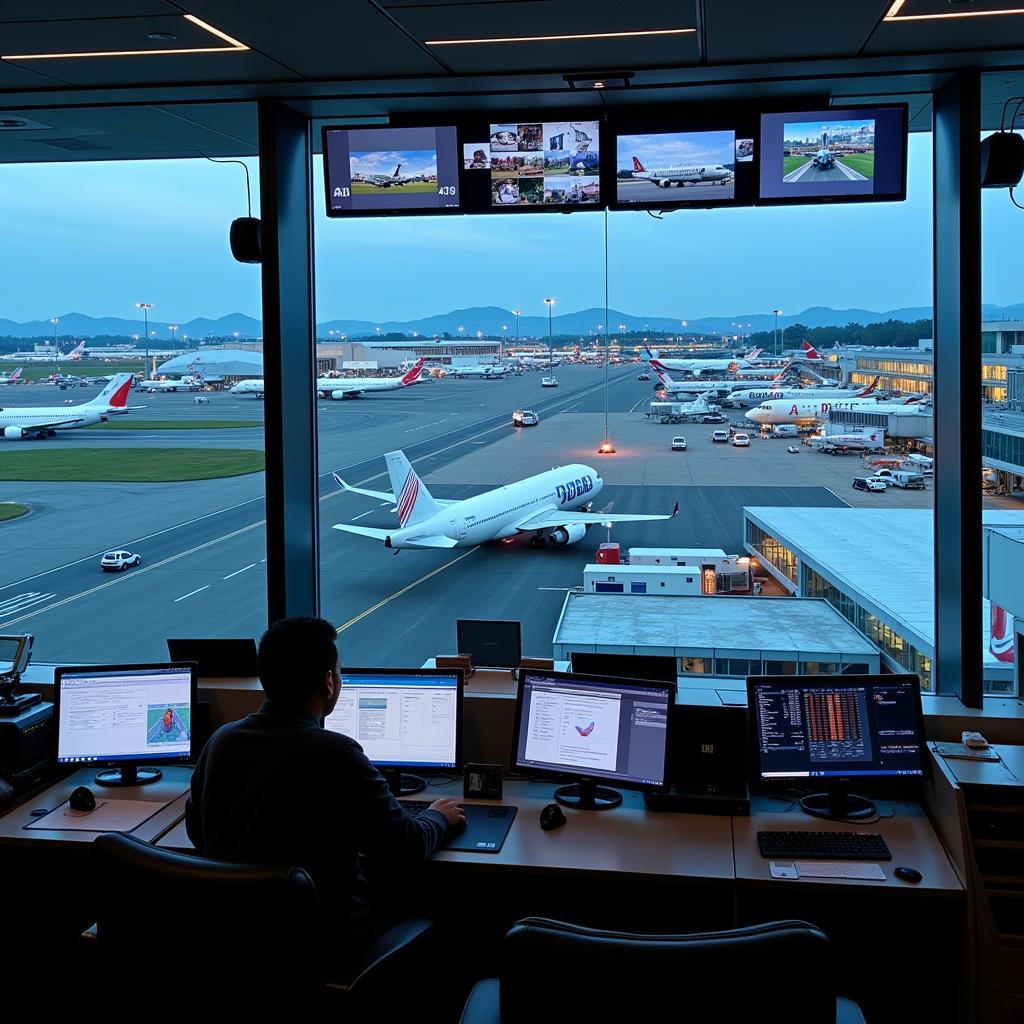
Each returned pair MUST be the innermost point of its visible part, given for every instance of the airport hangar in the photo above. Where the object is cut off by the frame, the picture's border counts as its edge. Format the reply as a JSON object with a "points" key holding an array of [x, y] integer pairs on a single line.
{"points": [[876, 567], [217, 365]]}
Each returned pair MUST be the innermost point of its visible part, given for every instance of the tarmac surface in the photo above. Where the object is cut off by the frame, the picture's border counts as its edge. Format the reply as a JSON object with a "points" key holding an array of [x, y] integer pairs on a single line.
{"points": [[202, 543], [808, 173], [641, 191]]}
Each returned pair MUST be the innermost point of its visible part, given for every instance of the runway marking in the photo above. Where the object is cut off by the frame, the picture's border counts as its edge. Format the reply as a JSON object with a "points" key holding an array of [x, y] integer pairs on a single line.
{"points": [[199, 591], [561, 590], [362, 515], [405, 590], [237, 572], [22, 601]]}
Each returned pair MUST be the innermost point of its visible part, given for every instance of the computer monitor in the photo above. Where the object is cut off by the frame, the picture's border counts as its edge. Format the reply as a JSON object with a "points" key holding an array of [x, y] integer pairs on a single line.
{"points": [[659, 667], [402, 718], [491, 643], [125, 715], [594, 728], [221, 658], [836, 731]]}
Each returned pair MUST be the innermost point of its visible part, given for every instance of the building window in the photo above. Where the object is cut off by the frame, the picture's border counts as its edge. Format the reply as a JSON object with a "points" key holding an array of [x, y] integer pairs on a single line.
{"points": [[820, 668], [695, 666], [737, 667], [780, 668]]}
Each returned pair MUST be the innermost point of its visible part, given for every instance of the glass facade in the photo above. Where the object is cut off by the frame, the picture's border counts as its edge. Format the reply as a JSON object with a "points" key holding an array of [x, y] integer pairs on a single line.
{"points": [[737, 667], [1002, 447], [780, 557], [695, 666]]}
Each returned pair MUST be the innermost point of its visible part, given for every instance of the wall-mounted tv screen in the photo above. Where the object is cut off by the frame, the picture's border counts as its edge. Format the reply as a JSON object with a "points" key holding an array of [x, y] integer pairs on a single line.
{"points": [[391, 170], [851, 154], [676, 167]]}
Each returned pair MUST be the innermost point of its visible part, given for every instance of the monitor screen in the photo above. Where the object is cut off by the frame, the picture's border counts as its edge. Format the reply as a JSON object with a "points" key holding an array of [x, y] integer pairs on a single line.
{"points": [[626, 666], [401, 717], [124, 713], [598, 728], [391, 170], [855, 727], [828, 155], [669, 168], [490, 643]]}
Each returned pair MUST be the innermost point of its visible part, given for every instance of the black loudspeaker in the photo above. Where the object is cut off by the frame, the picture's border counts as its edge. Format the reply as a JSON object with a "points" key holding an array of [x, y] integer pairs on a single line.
{"points": [[245, 240], [1002, 160]]}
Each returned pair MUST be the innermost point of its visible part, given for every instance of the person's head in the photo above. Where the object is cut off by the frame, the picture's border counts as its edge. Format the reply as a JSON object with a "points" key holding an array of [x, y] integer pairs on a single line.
{"points": [[298, 665]]}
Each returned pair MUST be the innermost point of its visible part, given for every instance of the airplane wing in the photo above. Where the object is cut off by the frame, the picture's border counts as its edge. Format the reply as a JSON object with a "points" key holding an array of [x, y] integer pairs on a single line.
{"points": [[551, 518], [364, 531], [433, 541], [380, 495], [344, 391], [50, 426]]}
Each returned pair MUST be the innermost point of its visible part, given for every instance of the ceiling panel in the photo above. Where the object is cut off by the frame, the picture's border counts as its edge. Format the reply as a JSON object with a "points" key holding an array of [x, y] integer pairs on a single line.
{"points": [[66, 10], [738, 30], [961, 33], [343, 39], [16, 76]]}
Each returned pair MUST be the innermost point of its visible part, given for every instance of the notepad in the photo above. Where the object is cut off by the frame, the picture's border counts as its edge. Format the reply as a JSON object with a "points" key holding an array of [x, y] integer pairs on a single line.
{"points": [[840, 869]]}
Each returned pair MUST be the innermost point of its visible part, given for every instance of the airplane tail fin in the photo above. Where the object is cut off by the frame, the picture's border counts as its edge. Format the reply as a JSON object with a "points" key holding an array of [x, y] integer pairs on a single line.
{"points": [[397, 169], [867, 391], [777, 379], [76, 351], [415, 503], [115, 394], [661, 372], [810, 352], [637, 166], [17, 373], [414, 373], [753, 354]]}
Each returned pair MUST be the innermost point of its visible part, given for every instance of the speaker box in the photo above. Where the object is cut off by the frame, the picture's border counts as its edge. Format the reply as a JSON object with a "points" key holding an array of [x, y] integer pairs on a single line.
{"points": [[245, 240], [1002, 160]]}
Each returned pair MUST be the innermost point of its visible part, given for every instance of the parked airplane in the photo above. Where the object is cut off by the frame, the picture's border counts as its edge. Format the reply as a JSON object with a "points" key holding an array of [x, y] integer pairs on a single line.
{"points": [[867, 440], [755, 396], [76, 352], [387, 180], [794, 410], [694, 386], [494, 370], [253, 386], [677, 177], [13, 378], [351, 387], [552, 507], [184, 384], [45, 422], [810, 352], [698, 366]]}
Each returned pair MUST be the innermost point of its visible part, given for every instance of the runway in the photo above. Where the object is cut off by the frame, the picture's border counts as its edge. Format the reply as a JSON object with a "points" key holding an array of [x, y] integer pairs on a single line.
{"points": [[809, 174], [639, 191]]}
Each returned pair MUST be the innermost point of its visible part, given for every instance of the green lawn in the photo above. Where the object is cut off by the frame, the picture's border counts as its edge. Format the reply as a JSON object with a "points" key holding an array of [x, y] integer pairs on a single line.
{"points": [[11, 510], [84, 368], [362, 189], [862, 163], [128, 423], [128, 465], [791, 163]]}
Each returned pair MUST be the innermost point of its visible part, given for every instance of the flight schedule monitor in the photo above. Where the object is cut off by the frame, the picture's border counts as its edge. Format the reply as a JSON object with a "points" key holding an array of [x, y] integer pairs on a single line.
{"points": [[594, 728], [836, 731], [852, 154], [126, 714], [402, 718], [391, 170]]}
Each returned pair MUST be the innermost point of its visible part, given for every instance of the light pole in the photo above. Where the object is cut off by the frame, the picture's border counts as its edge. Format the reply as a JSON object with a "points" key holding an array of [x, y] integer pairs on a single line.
{"points": [[56, 361], [551, 305], [173, 329], [515, 313], [777, 313], [145, 307]]}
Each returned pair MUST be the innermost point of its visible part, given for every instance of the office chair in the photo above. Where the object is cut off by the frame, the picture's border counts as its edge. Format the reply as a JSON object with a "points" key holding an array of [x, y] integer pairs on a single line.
{"points": [[552, 971], [229, 934]]}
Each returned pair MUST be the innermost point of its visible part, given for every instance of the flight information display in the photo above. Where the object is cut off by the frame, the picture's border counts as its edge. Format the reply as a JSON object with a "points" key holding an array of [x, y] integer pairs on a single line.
{"points": [[807, 728], [391, 170], [835, 154]]}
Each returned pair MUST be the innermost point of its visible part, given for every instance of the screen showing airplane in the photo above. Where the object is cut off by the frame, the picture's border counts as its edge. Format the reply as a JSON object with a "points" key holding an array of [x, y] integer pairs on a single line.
{"points": [[829, 155], [674, 168], [391, 170]]}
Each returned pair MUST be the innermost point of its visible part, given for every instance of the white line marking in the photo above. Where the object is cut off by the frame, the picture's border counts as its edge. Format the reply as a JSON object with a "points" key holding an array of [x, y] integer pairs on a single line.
{"points": [[238, 571], [183, 596], [362, 515]]}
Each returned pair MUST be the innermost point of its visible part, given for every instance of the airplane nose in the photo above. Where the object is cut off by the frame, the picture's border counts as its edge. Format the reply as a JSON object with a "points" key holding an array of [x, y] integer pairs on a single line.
{"points": [[753, 414]]}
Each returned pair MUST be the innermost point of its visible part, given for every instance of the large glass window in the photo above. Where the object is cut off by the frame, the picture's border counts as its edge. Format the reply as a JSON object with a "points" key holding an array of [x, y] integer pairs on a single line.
{"points": [[131, 515]]}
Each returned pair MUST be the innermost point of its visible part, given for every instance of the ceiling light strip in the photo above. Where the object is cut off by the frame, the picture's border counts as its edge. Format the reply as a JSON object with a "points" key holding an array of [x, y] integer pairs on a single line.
{"points": [[234, 46], [894, 14], [560, 38]]}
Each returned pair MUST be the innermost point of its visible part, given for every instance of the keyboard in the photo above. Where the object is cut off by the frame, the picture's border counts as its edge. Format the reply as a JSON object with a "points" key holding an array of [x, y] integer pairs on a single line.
{"points": [[823, 845], [415, 807]]}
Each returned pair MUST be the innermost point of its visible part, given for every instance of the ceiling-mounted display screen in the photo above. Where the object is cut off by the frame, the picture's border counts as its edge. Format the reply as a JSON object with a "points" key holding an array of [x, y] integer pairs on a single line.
{"points": [[673, 167], [851, 154], [391, 170]]}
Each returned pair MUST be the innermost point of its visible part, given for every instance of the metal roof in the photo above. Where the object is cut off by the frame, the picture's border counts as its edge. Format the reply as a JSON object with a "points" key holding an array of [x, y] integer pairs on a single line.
{"points": [[224, 362]]}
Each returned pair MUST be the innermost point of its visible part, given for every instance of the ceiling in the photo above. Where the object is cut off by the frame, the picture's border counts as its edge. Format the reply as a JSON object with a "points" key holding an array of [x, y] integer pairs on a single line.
{"points": [[186, 74]]}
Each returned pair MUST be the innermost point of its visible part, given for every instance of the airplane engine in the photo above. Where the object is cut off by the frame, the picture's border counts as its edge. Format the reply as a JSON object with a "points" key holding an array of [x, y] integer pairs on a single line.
{"points": [[565, 535], [13, 432]]}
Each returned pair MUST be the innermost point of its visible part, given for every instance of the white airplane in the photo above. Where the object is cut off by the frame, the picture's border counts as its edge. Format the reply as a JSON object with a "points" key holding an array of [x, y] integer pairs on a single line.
{"points": [[184, 384], [698, 366], [700, 405], [678, 177], [253, 386], [552, 507], [755, 396], [351, 387], [13, 378], [868, 440], [76, 352], [693, 386], [387, 180], [493, 371], [539, 362], [45, 422], [813, 410]]}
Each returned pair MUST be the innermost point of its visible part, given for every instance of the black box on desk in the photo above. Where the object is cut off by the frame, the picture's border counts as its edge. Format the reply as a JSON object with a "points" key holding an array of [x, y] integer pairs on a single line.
{"points": [[28, 744]]}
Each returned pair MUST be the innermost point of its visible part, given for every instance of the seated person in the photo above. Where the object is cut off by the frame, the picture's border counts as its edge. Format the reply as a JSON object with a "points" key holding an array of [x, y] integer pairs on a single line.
{"points": [[277, 788]]}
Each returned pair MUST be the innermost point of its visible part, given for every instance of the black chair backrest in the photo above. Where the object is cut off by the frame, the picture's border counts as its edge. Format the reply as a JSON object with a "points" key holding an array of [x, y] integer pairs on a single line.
{"points": [[552, 970], [188, 928]]}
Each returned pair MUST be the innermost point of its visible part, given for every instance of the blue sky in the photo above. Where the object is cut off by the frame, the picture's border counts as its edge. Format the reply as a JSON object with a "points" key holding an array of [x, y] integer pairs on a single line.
{"points": [[97, 238], [678, 149]]}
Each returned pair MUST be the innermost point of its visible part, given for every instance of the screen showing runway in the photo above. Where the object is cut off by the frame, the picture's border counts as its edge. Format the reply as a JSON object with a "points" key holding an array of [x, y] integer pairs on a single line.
{"points": [[674, 168]]}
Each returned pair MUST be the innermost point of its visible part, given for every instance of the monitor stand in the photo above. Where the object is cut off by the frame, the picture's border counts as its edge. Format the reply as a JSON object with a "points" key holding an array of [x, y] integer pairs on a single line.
{"points": [[838, 804], [401, 784], [129, 775], [587, 795]]}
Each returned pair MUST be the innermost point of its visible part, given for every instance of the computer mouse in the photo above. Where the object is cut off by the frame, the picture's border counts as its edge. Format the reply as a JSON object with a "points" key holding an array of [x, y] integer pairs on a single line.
{"points": [[907, 874], [551, 817], [82, 799]]}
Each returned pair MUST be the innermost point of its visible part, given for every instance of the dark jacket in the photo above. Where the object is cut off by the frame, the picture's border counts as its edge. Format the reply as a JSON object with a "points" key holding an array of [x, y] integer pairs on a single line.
{"points": [[277, 788]]}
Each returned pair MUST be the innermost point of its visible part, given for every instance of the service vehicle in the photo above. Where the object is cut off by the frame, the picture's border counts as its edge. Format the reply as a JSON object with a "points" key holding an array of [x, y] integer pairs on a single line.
{"points": [[741, 441], [679, 444], [868, 483], [720, 437], [118, 561], [525, 418], [549, 382]]}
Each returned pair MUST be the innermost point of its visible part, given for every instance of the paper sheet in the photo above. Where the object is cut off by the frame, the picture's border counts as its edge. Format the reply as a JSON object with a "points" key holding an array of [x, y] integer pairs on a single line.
{"points": [[840, 869], [107, 816]]}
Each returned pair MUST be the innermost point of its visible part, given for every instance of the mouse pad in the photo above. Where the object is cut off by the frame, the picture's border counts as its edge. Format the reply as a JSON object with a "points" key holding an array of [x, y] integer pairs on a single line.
{"points": [[487, 826], [108, 816]]}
